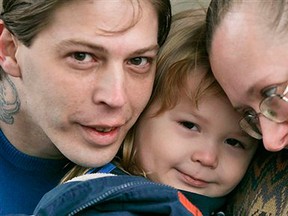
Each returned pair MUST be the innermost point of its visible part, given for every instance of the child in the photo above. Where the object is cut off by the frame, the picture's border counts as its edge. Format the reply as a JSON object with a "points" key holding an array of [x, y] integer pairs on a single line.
{"points": [[188, 137]]}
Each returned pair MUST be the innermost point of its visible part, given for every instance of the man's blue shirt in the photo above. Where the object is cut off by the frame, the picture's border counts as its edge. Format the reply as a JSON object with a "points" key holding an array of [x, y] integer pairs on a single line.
{"points": [[25, 179]]}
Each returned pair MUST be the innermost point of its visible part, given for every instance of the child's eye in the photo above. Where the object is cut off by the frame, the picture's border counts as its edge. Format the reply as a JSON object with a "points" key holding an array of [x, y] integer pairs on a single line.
{"points": [[234, 143], [189, 125]]}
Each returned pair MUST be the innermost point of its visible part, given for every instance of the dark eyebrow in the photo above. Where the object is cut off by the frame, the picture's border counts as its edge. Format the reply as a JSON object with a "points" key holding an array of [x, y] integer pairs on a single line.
{"points": [[146, 49], [239, 109], [69, 43], [251, 90], [243, 109]]}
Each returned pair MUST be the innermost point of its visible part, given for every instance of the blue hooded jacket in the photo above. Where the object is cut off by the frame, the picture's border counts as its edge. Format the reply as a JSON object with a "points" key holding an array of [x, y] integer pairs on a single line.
{"points": [[115, 195]]}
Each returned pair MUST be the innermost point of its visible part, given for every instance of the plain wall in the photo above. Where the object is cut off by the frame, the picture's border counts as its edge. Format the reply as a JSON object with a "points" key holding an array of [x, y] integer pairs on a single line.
{"points": [[178, 5]]}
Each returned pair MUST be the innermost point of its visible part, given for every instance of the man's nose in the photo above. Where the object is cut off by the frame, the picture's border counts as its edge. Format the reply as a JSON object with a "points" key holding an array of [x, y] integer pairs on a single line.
{"points": [[111, 89]]}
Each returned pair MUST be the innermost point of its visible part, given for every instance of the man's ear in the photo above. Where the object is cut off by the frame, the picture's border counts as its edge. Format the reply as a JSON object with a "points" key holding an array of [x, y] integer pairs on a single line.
{"points": [[8, 47]]}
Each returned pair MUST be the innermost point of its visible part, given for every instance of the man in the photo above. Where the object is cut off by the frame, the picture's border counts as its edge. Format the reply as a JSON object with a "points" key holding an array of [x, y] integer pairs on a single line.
{"points": [[75, 77]]}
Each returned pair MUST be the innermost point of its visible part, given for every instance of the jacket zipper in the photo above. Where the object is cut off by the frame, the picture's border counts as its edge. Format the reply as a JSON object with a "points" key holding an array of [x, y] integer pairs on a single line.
{"points": [[108, 193]]}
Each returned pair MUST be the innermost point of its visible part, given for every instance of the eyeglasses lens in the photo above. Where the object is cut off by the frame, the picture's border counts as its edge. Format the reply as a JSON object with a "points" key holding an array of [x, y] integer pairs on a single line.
{"points": [[250, 124], [275, 108]]}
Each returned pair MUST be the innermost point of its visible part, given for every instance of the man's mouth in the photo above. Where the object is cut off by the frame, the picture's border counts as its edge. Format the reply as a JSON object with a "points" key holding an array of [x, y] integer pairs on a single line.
{"points": [[104, 130]]}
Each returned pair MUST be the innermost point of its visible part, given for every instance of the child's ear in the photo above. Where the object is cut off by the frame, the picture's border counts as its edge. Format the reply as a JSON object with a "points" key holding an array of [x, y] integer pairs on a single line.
{"points": [[8, 47]]}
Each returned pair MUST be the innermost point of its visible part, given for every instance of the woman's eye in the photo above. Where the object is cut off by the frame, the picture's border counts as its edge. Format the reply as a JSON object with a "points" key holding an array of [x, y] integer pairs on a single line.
{"points": [[250, 116], [267, 92], [189, 125], [82, 56], [234, 142], [139, 61]]}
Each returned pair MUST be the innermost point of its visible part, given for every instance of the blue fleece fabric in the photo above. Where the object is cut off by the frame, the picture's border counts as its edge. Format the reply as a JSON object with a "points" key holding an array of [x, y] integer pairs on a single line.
{"points": [[25, 179]]}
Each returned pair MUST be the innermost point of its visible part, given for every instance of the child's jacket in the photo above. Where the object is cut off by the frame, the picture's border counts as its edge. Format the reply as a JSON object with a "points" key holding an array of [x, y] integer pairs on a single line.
{"points": [[121, 195]]}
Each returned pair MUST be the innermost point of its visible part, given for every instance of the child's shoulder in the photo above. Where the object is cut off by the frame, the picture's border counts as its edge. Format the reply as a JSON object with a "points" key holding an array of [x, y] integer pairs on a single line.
{"points": [[96, 193]]}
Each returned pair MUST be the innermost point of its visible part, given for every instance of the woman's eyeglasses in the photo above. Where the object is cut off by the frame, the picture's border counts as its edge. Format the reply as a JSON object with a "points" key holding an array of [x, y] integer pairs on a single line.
{"points": [[274, 106]]}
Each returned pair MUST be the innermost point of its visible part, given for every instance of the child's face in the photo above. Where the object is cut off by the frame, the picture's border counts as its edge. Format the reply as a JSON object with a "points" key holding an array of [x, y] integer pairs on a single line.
{"points": [[199, 150]]}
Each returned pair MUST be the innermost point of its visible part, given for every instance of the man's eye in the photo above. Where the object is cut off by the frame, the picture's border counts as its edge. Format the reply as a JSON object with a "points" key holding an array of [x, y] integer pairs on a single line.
{"points": [[234, 142], [189, 125], [141, 61], [82, 56]]}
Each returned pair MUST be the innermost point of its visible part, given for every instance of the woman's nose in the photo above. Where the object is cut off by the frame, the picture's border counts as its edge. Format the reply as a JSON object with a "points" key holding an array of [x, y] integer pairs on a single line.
{"points": [[275, 135]]}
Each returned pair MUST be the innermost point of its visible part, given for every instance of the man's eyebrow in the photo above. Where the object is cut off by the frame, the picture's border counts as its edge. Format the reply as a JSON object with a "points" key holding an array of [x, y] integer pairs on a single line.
{"points": [[69, 43], [146, 49]]}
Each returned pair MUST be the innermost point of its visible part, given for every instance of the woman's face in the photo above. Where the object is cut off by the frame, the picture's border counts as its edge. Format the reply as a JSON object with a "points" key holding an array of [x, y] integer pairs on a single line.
{"points": [[247, 57]]}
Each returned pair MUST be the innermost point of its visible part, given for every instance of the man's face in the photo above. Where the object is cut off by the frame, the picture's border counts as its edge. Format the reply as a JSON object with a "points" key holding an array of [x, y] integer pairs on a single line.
{"points": [[247, 57], [83, 86]]}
